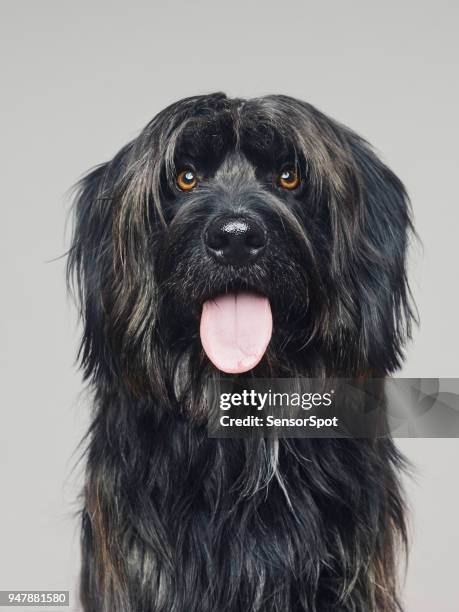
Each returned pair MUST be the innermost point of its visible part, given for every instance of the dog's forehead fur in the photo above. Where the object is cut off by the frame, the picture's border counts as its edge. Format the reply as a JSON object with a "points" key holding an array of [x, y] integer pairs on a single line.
{"points": [[204, 142]]}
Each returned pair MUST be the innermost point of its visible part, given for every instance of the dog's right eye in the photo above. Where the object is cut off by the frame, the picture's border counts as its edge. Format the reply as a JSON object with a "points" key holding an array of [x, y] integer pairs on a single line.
{"points": [[186, 180]]}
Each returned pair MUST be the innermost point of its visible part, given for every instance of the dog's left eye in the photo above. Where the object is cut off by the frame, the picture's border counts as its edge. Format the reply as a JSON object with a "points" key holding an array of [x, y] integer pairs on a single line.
{"points": [[186, 179], [289, 178]]}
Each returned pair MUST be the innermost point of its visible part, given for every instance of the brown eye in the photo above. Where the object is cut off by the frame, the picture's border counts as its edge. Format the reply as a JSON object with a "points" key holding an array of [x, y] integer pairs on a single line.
{"points": [[186, 180], [289, 178]]}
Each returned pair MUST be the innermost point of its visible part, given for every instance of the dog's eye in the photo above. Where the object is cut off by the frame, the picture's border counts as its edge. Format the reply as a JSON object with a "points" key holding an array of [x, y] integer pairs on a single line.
{"points": [[186, 180], [289, 178]]}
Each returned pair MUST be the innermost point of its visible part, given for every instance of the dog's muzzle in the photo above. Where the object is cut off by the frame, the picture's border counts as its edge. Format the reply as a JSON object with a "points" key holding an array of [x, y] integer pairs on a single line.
{"points": [[236, 326]]}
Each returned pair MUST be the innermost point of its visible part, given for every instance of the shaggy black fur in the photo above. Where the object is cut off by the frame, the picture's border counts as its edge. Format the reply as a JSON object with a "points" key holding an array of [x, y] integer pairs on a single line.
{"points": [[174, 521]]}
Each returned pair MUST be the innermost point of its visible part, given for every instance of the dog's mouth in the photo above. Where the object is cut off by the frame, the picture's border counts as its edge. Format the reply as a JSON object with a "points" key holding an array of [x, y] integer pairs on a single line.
{"points": [[235, 330]]}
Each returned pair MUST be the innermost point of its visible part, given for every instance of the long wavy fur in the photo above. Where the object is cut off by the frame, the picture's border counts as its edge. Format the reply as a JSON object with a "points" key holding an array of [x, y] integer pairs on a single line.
{"points": [[173, 521]]}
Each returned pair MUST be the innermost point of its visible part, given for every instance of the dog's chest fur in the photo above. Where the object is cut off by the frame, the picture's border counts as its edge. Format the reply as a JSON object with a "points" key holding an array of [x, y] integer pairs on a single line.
{"points": [[189, 523]]}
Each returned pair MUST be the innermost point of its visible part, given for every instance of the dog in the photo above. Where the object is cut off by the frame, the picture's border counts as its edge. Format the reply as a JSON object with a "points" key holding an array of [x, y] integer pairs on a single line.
{"points": [[235, 236]]}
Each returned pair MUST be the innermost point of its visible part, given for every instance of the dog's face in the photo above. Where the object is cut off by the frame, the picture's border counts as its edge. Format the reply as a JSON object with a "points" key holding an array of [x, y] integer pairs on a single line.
{"points": [[241, 235], [237, 254]]}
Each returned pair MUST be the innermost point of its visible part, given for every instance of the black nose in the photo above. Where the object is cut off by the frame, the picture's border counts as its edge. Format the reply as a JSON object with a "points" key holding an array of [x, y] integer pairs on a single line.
{"points": [[236, 241]]}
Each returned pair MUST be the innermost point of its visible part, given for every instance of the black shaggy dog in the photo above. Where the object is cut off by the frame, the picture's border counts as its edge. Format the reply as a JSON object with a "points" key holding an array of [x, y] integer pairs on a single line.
{"points": [[237, 235]]}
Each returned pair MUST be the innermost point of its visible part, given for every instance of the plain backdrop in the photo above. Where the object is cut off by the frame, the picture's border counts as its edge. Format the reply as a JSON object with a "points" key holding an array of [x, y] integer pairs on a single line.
{"points": [[77, 81]]}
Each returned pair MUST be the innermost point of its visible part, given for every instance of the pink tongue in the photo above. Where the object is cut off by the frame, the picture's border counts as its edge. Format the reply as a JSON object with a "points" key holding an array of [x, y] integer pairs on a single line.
{"points": [[235, 331]]}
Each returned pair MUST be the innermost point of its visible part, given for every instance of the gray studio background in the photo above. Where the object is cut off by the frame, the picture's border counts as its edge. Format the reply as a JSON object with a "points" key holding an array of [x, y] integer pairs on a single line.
{"points": [[80, 79]]}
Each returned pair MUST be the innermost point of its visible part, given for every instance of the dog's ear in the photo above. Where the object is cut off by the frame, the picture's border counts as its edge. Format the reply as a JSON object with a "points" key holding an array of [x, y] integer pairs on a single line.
{"points": [[89, 265], [111, 262], [370, 219]]}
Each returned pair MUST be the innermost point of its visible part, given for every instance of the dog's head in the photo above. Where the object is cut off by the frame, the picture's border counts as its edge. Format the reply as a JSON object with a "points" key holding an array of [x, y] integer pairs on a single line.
{"points": [[239, 234]]}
